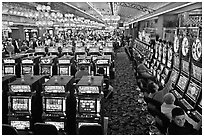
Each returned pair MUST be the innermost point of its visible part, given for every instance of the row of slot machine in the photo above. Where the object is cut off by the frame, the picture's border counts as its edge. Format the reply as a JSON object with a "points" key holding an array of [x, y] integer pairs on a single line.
{"points": [[182, 61], [35, 92], [38, 64], [57, 101]]}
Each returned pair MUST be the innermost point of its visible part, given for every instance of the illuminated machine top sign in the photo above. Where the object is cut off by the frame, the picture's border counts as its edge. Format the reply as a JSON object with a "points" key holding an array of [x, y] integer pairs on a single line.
{"points": [[64, 61], [88, 89], [196, 49], [51, 49], [27, 61], [80, 50], [93, 50], [20, 88], [83, 61], [9, 60], [54, 89], [39, 49], [176, 44], [185, 46], [67, 49], [107, 50], [102, 61]]}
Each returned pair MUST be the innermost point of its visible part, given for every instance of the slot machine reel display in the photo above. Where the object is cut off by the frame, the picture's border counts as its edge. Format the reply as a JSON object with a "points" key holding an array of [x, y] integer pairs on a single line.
{"points": [[57, 94], [5, 89], [64, 65], [48, 66], [89, 97], [24, 102], [30, 65]]}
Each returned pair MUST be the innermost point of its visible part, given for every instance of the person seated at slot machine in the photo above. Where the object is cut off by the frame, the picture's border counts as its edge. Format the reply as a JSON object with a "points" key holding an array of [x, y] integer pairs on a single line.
{"points": [[168, 105], [180, 126], [108, 88], [144, 72], [80, 73]]}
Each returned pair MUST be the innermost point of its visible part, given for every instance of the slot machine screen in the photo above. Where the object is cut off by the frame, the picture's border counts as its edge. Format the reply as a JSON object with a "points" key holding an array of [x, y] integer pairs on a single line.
{"points": [[176, 61], [185, 66], [88, 89], [54, 105], [174, 76], [58, 125], [193, 91], [46, 70], [21, 104], [197, 72], [88, 105], [9, 70], [64, 70], [54, 89], [20, 125], [182, 82], [105, 70], [26, 70]]}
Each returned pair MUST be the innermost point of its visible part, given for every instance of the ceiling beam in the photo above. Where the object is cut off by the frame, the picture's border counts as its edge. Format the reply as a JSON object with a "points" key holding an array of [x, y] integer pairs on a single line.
{"points": [[166, 9], [99, 20]]}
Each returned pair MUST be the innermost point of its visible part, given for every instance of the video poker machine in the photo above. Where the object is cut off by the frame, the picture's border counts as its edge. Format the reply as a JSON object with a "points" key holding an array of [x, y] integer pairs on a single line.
{"points": [[25, 102], [30, 65], [85, 61], [12, 65], [5, 89], [40, 51], [79, 51], [48, 66], [58, 102], [192, 99], [64, 65], [89, 97]]}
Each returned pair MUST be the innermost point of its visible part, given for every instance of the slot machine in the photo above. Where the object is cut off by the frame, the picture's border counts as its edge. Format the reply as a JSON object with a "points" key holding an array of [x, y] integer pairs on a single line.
{"points": [[40, 51], [184, 76], [104, 62], [64, 65], [79, 51], [110, 52], [12, 65], [30, 65], [48, 66], [192, 100], [25, 102], [89, 100], [166, 71], [85, 61], [57, 94], [151, 54], [5, 89], [53, 51], [67, 51], [94, 53], [176, 63]]}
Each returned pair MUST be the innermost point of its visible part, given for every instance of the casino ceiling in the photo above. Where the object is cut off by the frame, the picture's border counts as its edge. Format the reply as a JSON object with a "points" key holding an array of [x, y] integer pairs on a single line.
{"points": [[117, 12]]}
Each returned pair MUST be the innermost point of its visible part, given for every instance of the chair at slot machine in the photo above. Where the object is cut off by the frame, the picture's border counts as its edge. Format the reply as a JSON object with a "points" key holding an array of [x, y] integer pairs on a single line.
{"points": [[44, 129], [91, 130], [8, 130]]}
